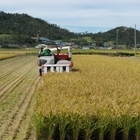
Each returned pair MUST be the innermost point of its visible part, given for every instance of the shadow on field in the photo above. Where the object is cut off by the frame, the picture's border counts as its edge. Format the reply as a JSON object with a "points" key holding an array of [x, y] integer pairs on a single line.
{"points": [[75, 70]]}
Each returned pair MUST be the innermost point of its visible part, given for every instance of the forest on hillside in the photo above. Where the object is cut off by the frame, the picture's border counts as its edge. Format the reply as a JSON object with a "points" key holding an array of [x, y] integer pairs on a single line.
{"points": [[22, 29]]}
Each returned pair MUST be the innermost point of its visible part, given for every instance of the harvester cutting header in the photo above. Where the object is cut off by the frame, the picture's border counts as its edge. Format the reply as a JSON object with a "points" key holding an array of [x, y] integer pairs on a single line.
{"points": [[52, 60]]}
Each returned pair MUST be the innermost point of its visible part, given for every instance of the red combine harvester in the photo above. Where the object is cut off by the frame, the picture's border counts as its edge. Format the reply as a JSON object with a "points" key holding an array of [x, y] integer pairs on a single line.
{"points": [[57, 62]]}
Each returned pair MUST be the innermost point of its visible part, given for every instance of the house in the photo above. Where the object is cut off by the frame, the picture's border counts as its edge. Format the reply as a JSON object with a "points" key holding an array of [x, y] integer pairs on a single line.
{"points": [[44, 39], [85, 48], [58, 42], [40, 45]]}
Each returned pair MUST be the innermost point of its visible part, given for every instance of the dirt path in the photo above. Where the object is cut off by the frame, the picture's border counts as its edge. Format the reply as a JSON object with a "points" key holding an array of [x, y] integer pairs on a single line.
{"points": [[18, 79]]}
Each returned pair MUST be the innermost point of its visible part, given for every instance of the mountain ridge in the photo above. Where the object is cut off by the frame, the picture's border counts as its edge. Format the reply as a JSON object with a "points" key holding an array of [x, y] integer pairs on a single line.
{"points": [[21, 27]]}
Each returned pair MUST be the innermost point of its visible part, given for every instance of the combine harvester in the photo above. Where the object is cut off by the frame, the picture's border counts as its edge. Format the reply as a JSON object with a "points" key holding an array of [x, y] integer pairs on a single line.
{"points": [[57, 62]]}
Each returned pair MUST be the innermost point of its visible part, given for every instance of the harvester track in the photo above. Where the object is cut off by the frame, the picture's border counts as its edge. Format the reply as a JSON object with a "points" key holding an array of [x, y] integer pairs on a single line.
{"points": [[10, 66], [17, 99], [14, 81]]}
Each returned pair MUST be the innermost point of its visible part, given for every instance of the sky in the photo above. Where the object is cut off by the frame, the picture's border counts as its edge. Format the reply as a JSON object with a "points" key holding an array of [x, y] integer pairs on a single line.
{"points": [[79, 16]]}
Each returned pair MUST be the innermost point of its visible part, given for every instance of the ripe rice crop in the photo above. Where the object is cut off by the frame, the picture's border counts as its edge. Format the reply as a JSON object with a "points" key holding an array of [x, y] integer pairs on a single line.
{"points": [[99, 99], [6, 56]]}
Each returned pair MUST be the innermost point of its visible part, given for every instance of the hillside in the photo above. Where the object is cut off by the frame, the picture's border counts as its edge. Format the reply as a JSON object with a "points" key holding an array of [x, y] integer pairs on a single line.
{"points": [[20, 28], [125, 37]]}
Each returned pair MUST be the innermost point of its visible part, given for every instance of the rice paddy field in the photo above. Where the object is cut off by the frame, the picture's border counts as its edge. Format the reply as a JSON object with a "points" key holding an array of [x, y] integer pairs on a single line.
{"points": [[18, 79], [98, 100], [10, 53], [6, 56]]}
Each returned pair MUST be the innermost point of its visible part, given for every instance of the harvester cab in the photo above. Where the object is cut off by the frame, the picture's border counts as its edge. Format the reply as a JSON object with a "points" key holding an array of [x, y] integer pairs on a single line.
{"points": [[57, 62]]}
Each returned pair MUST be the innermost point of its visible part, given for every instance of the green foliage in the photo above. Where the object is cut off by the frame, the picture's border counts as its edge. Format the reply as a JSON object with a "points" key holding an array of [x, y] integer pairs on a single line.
{"points": [[125, 37], [21, 27]]}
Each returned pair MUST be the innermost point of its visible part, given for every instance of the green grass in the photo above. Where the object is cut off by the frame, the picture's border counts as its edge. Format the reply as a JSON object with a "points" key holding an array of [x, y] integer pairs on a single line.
{"points": [[111, 52], [34, 51]]}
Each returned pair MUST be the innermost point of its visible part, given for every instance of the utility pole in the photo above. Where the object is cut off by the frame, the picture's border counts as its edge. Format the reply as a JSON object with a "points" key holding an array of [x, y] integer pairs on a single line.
{"points": [[135, 41], [117, 41], [125, 31]]}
